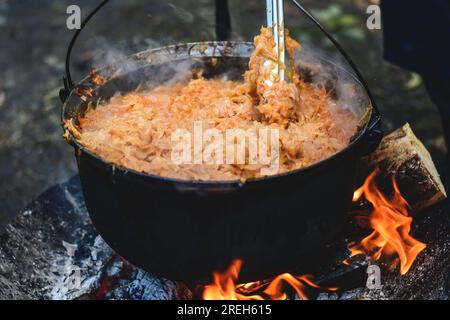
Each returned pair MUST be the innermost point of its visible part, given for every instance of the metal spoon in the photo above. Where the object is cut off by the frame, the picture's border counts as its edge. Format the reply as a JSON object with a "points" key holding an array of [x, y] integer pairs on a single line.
{"points": [[275, 20]]}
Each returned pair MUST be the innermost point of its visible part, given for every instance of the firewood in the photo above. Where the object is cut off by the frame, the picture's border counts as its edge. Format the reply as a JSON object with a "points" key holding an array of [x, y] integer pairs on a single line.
{"points": [[402, 155]]}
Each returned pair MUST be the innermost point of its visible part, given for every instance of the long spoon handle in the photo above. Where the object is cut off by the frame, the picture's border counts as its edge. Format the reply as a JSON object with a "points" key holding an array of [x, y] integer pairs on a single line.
{"points": [[275, 20]]}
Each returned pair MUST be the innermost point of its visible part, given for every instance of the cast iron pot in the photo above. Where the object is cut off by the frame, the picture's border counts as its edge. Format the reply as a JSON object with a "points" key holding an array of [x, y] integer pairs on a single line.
{"points": [[184, 230]]}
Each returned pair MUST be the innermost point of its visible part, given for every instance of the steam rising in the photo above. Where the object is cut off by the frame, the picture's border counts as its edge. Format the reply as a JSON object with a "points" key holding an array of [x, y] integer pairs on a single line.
{"points": [[349, 94], [169, 71]]}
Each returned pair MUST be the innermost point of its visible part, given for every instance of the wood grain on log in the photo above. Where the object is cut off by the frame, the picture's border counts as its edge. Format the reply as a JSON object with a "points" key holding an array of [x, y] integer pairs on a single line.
{"points": [[402, 155]]}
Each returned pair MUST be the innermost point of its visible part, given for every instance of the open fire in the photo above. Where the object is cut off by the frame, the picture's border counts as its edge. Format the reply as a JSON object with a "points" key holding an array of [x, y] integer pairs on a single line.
{"points": [[390, 240], [391, 226], [225, 287]]}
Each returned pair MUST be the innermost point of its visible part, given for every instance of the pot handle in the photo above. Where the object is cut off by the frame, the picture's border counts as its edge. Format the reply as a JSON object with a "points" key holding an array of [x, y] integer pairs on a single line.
{"points": [[373, 133], [223, 29], [67, 79]]}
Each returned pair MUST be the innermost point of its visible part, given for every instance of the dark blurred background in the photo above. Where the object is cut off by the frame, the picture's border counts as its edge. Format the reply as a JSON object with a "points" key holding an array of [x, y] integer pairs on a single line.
{"points": [[34, 38]]}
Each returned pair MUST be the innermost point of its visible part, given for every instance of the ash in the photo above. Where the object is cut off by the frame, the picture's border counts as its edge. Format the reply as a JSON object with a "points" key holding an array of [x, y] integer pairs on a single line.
{"points": [[52, 252], [126, 282]]}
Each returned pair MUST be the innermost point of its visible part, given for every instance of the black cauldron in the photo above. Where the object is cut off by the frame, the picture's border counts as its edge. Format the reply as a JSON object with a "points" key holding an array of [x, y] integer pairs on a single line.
{"points": [[185, 230]]}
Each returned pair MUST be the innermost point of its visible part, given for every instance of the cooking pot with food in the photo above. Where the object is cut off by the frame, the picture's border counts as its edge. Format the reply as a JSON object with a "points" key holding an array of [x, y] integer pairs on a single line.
{"points": [[186, 229]]}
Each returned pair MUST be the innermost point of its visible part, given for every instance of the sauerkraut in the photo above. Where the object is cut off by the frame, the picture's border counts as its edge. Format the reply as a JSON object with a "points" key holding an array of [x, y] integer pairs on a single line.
{"points": [[136, 130]]}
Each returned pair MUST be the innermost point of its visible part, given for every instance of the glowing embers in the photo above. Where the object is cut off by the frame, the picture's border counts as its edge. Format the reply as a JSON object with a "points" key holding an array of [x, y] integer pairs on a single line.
{"points": [[225, 287]]}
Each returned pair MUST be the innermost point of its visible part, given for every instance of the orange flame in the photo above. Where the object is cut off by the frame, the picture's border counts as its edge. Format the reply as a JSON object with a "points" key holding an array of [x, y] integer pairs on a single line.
{"points": [[225, 288], [391, 226]]}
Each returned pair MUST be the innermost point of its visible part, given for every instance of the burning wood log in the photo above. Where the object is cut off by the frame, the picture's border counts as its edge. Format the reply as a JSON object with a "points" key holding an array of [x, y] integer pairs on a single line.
{"points": [[402, 155]]}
